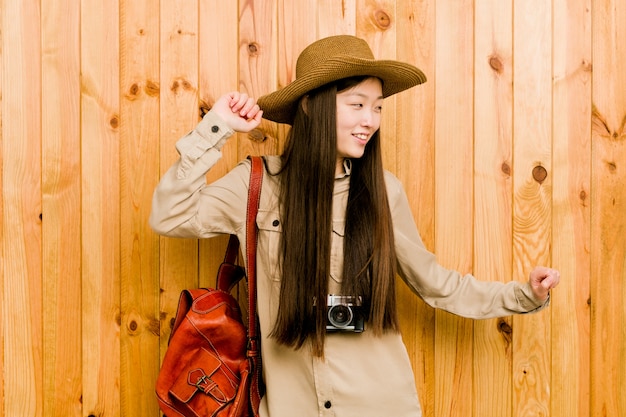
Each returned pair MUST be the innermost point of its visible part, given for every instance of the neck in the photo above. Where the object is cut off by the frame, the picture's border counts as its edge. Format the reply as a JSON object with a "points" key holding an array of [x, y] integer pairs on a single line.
{"points": [[340, 169]]}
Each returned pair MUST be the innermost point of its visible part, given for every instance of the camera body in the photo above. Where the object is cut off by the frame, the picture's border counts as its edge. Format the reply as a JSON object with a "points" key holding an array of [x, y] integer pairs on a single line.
{"points": [[344, 313]]}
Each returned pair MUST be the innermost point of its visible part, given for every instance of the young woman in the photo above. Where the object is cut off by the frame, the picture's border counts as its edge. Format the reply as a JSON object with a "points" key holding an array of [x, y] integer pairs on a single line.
{"points": [[334, 231]]}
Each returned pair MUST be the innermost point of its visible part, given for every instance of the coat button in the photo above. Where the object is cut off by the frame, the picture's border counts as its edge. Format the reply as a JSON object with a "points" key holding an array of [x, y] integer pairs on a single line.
{"points": [[275, 223], [327, 404], [215, 129]]}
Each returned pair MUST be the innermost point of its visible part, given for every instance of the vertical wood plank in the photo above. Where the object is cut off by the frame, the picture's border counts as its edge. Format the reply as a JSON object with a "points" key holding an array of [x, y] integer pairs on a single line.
{"points": [[258, 57], [532, 186], [218, 54], [608, 210], [454, 197], [139, 172], [61, 235], [179, 112], [415, 168], [21, 209], [493, 111], [336, 18], [570, 387], [100, 207]]}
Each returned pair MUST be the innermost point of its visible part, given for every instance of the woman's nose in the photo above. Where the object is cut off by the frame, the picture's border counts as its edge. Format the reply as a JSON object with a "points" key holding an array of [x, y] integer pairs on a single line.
{"points": [[368, 118]]}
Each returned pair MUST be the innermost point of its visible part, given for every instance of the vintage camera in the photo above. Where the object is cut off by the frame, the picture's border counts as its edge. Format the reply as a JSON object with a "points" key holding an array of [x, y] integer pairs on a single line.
{"points": [[344, 313]]}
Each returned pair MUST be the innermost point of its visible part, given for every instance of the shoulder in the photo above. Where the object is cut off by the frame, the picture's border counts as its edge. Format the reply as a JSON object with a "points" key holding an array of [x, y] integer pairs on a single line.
{"points": [[394, 186], [241, 171]]}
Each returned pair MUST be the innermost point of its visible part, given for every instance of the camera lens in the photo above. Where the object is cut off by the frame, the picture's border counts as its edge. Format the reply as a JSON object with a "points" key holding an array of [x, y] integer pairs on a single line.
{"points": [[340, 315]]}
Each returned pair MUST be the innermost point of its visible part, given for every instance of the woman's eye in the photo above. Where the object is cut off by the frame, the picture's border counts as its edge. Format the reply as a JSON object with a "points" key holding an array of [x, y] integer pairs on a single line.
{"points": [[358, 105]]}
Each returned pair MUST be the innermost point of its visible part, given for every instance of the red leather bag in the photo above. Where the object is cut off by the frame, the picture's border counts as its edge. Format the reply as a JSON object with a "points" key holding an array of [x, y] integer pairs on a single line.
{"points": [[212, 366]]}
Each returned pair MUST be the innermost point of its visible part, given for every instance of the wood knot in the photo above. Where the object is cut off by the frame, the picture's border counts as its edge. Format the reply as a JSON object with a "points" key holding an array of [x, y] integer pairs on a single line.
{"points": [[253, 49], [132, 326], [612, 166], [382, 19], [154, 327], [133, 92], [204, 108], [256, 135], [505, 330], [506, 168], [152, 89], [181, 83], [540, 174], [114, 122], [496, 64], [187, 85]]}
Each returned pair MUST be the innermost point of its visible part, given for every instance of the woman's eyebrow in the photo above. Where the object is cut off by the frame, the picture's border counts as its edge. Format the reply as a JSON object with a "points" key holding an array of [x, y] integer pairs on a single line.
{"points": [[364, 95]]}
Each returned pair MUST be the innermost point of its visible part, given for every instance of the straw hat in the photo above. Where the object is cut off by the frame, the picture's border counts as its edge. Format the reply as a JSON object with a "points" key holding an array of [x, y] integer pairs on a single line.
{"points": [[331, 59]]}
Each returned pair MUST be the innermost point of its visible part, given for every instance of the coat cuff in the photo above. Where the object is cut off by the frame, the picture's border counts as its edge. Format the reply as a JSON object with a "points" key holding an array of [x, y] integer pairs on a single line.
{"points": [[527, 300], [211, 133]]}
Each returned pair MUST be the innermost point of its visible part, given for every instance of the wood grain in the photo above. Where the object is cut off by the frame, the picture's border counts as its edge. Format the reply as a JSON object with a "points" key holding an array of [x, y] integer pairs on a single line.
{"points": [[415, 168], [61, 228], [218, 40], [139, 168], [571, 208], [493, 165], [453, 197], [608, 210], [22, 339], [100, 207], [532, 197]]}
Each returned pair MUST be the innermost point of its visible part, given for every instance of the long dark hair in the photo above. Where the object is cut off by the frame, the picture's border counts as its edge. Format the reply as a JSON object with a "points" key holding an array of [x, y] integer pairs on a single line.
{"points": [[307, 181]]}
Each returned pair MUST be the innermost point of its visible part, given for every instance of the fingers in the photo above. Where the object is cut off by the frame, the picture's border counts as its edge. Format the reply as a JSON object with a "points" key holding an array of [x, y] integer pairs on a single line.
{"points": [[542, 280], [239, 111], [551, 279], [244, 105]]}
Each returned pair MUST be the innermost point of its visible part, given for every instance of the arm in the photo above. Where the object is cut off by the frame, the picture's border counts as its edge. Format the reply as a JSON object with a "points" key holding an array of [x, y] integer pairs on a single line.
{"points": [[449, 290], [183, 205]]}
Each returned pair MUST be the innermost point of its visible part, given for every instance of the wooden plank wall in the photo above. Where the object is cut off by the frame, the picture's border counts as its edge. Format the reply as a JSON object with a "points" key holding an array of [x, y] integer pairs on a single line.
{"points": [[512, 154]]}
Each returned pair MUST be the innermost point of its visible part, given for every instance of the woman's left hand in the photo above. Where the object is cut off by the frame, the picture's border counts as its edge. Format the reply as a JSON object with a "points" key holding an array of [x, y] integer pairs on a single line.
{"points": [[542, 280]]}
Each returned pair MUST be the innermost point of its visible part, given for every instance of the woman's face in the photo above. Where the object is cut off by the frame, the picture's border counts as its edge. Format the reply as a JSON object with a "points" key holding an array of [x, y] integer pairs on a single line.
{"points": [[358, 118]]}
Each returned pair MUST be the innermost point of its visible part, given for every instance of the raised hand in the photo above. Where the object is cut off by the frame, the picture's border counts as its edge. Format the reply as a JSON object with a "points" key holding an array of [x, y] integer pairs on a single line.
{"points": [[542, 280], [239, 111]]}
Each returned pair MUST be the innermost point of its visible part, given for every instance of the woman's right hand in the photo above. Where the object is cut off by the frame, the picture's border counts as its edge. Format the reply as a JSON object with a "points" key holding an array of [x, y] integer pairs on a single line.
{"points": [[240, 112]]}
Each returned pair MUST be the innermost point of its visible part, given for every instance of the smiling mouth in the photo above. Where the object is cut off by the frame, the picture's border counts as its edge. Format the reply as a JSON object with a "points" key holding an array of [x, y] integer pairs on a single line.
{"points": [[361, 137]]}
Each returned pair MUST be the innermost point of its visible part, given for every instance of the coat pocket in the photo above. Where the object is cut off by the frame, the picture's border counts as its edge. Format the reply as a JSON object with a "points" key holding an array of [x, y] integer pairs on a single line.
{"points": [[270, 236]]}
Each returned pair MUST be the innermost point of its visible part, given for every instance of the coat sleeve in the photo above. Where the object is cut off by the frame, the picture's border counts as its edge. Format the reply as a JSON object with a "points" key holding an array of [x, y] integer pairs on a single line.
{"points": [[463, 295], [183, 205]]}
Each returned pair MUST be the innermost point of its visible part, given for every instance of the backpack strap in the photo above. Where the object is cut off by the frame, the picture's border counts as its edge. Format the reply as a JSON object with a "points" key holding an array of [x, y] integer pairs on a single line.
{"points": [[184, 304], [254, 343], [229, 273]]}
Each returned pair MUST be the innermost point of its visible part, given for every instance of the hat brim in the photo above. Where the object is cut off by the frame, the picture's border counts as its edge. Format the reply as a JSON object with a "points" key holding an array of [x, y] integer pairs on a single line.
{"points": [[280, 106]]}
